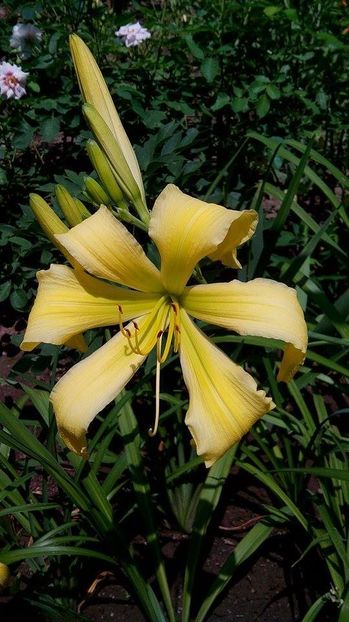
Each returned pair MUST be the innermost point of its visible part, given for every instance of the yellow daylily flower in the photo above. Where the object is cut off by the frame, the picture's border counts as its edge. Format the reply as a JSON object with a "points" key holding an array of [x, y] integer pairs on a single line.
{"points": [[224, 401]]}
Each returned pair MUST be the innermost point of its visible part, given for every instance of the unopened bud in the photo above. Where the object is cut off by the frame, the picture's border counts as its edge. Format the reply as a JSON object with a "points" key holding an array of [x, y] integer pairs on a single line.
{"points": [[96, 192], [95, 92], [73, 211], [4, 575], [49, 222], [104, 172]]}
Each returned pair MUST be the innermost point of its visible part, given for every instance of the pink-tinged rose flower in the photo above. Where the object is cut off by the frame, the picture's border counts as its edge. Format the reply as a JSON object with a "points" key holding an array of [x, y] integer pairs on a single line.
{"points": [[12, 80], [132, 34], [24, 37]]}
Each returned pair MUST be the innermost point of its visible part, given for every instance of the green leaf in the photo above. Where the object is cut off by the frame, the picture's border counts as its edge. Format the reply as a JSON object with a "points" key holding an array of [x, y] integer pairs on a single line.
{"points": [[130, 434], [194, 48], [3, 177], [18, 299], [25, 136], [273, 91], [243, 550], [209, 498], [209, 68], [263, 106], [40, 400], [49, 129], [34, 86], [5, 289], [271, 10], [240, 104], [317, 606], [222, 100], [314, 178]]}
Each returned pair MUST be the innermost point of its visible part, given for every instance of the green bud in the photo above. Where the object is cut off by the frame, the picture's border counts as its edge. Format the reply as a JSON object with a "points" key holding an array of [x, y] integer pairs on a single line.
{"points": [[96, 192], [49, 222], [104, 172], [73, 211]]}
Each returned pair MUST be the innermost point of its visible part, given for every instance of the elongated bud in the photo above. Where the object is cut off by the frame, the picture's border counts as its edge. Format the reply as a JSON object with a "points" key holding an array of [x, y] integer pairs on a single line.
{"points": [[95, 92], [49, 222], [112, 151], [111, 148], [104, 172], [47, 218], [73, 211], [4, 575], [96, 192]]}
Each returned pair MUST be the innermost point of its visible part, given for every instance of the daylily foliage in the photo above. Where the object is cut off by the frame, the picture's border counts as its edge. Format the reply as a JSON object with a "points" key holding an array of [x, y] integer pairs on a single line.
{"points": [[113, 283]]}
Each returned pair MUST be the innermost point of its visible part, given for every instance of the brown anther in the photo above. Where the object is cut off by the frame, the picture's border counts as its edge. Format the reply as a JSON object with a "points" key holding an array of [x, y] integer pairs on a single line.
{"points": [[174, 307], [120, 308], [160, 333], [177, 329], [135, 325], [128, 332]]}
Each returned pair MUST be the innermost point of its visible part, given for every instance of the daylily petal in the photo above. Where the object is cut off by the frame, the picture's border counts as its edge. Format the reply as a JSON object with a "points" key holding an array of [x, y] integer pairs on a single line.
{"points": [[70, 302], [224, 401], [186, 229], [241, 230], [106, 249], [95, 91], [260, 307], [90, 385]]}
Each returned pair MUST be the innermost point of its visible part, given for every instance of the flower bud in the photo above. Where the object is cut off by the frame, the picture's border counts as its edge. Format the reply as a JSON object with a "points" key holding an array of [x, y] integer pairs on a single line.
{"points": [[4, 575], [96, 192], [73, 211], [95, 92], [49, 222], [104, 172]]}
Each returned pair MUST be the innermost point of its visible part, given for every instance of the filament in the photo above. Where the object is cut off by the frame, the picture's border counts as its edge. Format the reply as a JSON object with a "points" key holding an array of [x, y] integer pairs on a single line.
{"points": [[153, 431]]}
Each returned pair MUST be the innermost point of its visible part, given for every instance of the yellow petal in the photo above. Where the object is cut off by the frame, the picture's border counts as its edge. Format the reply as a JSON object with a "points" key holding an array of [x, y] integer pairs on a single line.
{"points": [[185, 230], [242, 229], [106, 249], [70, 302], [224, 402], [90, 385], [95, 91], [261, 307]]}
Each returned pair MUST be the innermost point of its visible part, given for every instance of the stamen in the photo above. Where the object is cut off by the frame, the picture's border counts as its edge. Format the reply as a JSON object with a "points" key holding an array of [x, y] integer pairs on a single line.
{"points": [[162, 357], [153, 431], [136, 347], [124, 331], [177, 339]]}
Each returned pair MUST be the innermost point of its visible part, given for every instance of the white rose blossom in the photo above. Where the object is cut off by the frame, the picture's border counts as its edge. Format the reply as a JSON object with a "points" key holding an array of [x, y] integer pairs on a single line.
{"points": [[24, 37], [132, 34], [12, 80]]}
